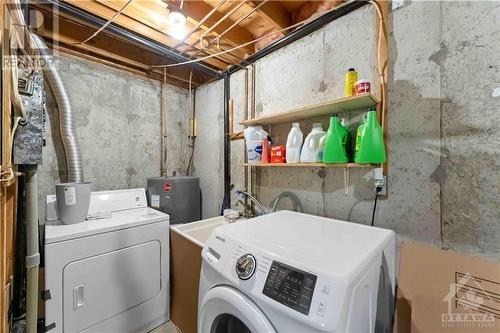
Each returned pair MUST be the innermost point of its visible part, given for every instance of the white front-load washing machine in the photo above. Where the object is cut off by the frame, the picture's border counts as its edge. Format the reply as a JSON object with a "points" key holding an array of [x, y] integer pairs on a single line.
{"points": [[109, 274], [292, 272]]}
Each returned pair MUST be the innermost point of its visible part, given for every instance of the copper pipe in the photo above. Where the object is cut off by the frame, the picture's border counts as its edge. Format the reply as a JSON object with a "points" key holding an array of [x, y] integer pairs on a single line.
{"points": [[163, 125], [229, 13], [237, 22], [203, 20]]}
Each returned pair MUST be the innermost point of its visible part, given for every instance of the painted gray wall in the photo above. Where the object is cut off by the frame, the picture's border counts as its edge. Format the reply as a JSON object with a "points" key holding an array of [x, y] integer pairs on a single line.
{"points": [[117, 119], [443, 122]]}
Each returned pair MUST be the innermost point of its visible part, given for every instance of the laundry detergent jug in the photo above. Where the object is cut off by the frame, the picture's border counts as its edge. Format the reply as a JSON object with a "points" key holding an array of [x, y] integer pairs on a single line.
{"points": [[335, 142], [253, 139], [293, 144], [311, 144], [370, 146]]}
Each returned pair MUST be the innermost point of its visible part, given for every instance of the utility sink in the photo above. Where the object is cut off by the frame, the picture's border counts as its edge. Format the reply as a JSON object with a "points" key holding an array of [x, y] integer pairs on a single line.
{"points": [[186, 242], [199, 232]]}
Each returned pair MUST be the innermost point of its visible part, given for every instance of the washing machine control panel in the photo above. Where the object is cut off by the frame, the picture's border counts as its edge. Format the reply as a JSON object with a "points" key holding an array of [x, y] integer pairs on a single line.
{"points": [[290, 286]]}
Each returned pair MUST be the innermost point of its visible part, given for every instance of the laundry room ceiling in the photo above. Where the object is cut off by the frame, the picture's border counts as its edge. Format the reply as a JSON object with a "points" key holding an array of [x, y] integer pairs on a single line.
{"points": [[220, 32]]}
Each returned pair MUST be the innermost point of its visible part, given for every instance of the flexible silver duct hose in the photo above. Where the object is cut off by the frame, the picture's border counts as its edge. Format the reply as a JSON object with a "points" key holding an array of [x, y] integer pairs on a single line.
{"points": [[66, 123], [66, 120]]}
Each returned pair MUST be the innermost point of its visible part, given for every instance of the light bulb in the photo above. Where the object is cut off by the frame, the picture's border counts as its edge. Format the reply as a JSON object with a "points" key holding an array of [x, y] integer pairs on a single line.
{"points": [[176, 18], [177, 31]]}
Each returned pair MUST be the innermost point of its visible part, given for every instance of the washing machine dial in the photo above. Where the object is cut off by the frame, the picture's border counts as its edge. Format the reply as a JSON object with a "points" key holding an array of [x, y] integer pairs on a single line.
{"points": [[245, 266]]}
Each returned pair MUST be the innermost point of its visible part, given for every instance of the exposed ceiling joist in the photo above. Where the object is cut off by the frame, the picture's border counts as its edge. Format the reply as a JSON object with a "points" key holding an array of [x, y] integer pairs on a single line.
{"points": [[275, 13], [236, 36]]}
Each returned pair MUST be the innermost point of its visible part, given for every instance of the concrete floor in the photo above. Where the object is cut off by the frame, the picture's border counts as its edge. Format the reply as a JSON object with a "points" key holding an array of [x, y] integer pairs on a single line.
{"points": [[168, 327]]}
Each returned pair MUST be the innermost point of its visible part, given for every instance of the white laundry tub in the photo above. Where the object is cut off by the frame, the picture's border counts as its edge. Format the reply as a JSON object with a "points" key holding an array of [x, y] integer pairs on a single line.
{"points": [[186, 242]]}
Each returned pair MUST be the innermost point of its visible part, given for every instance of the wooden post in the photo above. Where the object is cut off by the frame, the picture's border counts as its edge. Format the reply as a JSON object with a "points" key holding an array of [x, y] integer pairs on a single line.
{"points": [[384, 6], [8, 190]]}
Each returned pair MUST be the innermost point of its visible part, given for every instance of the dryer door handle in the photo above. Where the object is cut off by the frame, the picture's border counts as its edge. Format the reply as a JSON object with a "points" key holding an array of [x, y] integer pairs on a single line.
{"points": [[78, 296]]}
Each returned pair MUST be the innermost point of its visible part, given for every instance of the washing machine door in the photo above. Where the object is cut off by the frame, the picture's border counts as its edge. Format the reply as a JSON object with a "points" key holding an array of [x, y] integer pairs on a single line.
{"points": [[226, 310]]}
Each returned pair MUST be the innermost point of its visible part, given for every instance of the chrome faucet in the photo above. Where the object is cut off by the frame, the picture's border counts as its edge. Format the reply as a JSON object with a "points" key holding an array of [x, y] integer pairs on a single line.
{"points": [[297, 207], [243, 194]]}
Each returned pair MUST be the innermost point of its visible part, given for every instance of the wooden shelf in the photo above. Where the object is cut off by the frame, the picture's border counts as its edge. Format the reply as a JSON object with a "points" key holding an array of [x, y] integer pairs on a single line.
{"points": [[345, 104], [309, 165]]}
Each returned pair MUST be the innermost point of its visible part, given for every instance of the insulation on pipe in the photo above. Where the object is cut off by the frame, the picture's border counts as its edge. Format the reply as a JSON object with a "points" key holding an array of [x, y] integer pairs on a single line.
{"points": [[32, 254]]}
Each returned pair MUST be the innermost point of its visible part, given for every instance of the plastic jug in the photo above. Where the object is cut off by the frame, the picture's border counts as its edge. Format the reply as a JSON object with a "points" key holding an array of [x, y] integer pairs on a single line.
{"points": [[308, 153], [293, 144], [254, 133], [335, 142], [348, 144], [370, 146], [253, 138], [321, 148]]}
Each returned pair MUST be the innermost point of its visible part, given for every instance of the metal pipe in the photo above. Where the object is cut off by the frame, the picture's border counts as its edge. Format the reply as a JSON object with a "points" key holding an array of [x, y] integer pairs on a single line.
{"points": [[303, 31], [200, 23], [143, 41], [32, 254], [227, 145], [254, 200], [66, 121], [238, 21], [163, 165], [234, 9], [245, 117]]}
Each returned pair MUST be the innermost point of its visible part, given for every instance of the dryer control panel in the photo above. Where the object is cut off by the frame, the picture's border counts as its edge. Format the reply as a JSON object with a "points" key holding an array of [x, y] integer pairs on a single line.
{"points": [[290, 286]]}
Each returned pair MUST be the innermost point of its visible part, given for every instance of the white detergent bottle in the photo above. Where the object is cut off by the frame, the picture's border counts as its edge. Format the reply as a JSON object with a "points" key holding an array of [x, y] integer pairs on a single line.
{"points": [[321, 148], [293, 144], [308, 153], [253, 137]]}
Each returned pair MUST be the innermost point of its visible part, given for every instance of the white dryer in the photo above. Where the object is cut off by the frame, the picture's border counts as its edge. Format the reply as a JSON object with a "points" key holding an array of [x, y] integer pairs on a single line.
{"points": [[292, 272], [109, 274]]}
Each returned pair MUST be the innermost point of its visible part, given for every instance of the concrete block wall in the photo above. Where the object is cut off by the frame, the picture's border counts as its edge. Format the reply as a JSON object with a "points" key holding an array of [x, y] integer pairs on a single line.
{"points": [[117, 119], [443, 122]]}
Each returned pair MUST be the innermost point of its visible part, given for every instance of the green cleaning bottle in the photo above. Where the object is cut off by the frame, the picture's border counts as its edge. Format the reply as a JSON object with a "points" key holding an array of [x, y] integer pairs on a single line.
{"points": [[370, 141], [335, 142]]}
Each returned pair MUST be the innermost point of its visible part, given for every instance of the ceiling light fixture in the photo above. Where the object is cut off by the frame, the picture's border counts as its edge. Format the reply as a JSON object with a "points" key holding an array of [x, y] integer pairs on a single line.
{"points": [[176, 17], [177, 21]]}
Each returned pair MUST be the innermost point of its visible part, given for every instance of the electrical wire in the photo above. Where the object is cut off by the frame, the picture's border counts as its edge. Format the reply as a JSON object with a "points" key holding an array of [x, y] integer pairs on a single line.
{"points": [[312, 18], [377, 191], [107, 23]]}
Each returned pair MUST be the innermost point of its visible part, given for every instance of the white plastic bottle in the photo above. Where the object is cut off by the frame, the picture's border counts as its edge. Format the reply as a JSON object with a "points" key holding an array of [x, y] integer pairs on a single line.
{"points": [[308, 153], [293, 144], [253, 137], [321, 148]]}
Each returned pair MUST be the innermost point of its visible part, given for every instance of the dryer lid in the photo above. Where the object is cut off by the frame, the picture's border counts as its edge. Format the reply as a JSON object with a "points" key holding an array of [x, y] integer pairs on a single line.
{"points": [[223, 309]]}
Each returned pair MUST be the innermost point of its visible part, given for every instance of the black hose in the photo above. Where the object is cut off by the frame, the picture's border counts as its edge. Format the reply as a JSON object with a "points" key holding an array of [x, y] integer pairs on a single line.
{"points": [[377, 191]]}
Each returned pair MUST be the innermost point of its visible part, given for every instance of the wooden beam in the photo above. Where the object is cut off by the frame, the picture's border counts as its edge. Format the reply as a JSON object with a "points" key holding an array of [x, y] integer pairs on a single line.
{"points": [[384, 5], [150, 20], [274, 12], [8, 190], [197, 10], [109, 48]]}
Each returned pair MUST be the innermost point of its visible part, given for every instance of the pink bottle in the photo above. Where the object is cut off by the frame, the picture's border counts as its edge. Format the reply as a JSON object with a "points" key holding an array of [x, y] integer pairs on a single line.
{"points": [[265, 150]]}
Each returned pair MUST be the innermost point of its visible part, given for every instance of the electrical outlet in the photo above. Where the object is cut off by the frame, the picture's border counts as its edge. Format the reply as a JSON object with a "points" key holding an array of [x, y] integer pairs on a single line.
{"points": [[384, 187], [396, 4]]}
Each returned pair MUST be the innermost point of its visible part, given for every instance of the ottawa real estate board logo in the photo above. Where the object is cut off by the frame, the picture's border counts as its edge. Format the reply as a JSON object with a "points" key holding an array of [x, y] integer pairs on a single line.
{"points": [[471, 303]]}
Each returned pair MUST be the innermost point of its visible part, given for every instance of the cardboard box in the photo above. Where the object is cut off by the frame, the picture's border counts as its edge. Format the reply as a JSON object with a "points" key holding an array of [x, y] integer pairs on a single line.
{"points": [[443, 291]]}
